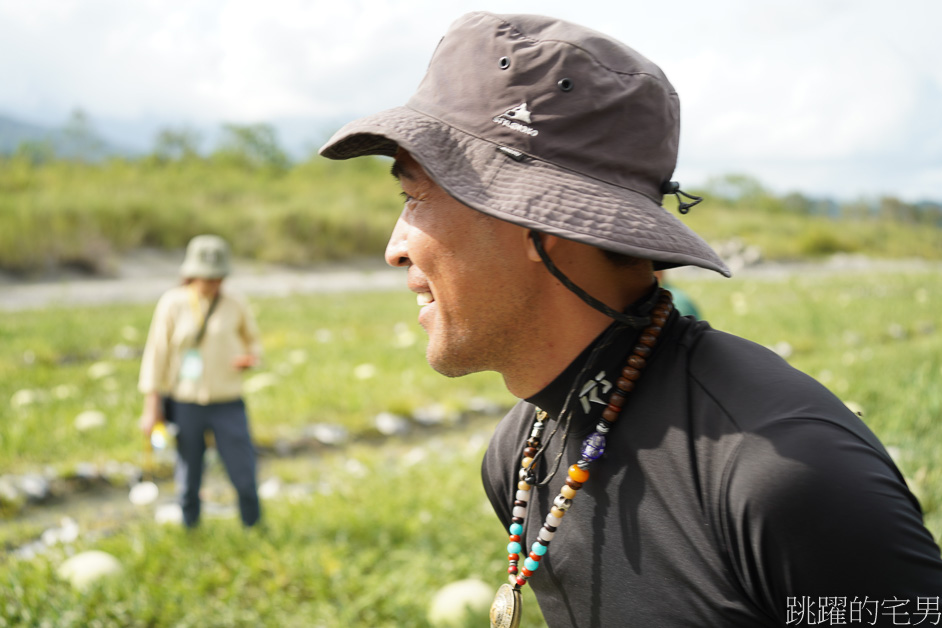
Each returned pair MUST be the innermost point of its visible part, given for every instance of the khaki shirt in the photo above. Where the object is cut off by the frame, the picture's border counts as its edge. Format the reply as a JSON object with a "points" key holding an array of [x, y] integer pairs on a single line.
{"points": [[231, 332]]}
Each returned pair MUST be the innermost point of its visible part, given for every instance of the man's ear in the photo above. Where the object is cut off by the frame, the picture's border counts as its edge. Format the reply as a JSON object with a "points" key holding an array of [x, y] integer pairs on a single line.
{"points": [[548, 241]]}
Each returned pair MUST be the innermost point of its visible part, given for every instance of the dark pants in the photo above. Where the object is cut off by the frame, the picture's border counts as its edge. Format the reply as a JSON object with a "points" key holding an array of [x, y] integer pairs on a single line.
{"points": [[230, 426]]}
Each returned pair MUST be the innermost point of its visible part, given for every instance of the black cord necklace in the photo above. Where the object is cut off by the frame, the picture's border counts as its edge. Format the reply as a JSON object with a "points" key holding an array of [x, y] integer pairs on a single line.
{"points": [[506, 609]]}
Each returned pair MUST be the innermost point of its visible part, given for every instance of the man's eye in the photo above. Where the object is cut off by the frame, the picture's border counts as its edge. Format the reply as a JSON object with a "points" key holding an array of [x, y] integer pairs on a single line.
{"points": [[406, 197]]}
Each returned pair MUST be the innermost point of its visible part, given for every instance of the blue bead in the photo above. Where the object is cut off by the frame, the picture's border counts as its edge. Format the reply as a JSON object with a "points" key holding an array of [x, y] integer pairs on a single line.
{"points": [[531, 564], [516, 528], [513, 547], [593, 446], [538, 548]]}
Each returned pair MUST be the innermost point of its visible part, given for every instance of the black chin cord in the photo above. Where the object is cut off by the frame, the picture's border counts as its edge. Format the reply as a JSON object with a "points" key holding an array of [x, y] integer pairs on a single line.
{"points": [[643, 310], [638, 320]]}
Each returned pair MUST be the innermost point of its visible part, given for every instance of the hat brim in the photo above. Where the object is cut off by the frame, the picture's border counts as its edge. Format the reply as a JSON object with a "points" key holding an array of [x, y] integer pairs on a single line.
{"points": [[528, 192]]}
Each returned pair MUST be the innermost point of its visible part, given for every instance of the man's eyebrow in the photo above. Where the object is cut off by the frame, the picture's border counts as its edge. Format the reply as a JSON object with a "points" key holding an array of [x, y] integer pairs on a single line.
{"points": [[400, 172]]}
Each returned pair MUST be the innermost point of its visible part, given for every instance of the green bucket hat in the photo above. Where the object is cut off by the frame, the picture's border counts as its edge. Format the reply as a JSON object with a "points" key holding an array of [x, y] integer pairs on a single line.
{"points": [[207, 257]]}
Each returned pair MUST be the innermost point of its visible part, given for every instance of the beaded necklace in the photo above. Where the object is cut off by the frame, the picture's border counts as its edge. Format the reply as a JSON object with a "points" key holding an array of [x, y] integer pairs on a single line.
{"points": [[506, 609]]}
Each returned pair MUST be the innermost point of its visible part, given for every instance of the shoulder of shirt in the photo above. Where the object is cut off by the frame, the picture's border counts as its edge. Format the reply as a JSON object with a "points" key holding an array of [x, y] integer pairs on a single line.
{"points": [[234, 296], [753, 385], [176, 294]]}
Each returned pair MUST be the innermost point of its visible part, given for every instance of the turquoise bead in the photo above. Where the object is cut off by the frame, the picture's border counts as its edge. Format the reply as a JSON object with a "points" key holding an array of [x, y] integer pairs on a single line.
{"points": [[531, 564], [513, 548], [539, 549], [516, 528]]}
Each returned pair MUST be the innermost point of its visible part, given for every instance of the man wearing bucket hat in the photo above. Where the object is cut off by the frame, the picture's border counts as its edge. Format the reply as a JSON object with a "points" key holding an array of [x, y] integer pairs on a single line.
{"points": [[201, 339], [656, 472]]}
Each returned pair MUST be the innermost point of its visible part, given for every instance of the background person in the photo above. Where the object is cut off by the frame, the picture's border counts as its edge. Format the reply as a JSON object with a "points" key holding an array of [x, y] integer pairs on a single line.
{"points": [[656, 472], [201, 339]]}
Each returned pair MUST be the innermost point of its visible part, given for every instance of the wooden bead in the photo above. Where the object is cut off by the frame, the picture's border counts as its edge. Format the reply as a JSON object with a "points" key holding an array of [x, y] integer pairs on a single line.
{"points": [[647, 340], [630, 373], [529, 452], [637, 362], [610, 415], [573, 484], [643, 351], [625, 384], [617, 400]]}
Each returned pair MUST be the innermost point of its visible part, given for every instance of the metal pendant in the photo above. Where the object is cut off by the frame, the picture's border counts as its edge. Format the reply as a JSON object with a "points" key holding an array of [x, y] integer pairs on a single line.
{"points": [[505, 611]]}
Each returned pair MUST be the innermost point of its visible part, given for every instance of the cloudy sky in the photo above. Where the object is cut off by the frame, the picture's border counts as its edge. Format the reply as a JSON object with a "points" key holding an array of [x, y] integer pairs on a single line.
{"points": [[839, 98]]}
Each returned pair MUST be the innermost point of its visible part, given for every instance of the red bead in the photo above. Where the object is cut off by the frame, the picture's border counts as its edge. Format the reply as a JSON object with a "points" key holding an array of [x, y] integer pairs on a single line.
{"points": [[573, 484], [512, 569], [535, 556], [513, 556], [521, 581], [515, 538], [526, 572], [529, 452]]}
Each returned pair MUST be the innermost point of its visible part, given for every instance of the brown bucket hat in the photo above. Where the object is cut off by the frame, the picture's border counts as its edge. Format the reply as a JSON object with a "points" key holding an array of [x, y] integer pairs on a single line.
{"points": [[548, 125]]}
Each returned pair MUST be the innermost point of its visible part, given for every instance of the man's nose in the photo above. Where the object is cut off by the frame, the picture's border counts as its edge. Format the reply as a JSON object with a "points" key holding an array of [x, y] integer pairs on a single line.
{"points": [[397, 251]]}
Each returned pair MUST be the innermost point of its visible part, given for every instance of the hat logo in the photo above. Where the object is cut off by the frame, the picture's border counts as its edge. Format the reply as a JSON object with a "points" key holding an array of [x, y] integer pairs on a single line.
{"points": [[513, 117], [518, 113]]}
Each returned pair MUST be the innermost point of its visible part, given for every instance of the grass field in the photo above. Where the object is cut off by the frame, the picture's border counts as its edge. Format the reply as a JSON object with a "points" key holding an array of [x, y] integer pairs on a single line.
{"points": [[381, 533], [86, 215]]}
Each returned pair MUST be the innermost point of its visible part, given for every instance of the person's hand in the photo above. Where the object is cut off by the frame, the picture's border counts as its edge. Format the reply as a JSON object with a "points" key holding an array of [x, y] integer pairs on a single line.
{"points": [[147, 422], [243, 362]]}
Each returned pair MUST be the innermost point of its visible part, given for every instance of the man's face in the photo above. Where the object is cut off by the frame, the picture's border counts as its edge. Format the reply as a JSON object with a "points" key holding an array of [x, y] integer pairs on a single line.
{"points": [[470, 273]]}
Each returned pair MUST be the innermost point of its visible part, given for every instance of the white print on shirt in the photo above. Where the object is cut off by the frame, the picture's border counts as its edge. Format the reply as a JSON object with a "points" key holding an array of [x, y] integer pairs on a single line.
{"points": [[591, 388]]}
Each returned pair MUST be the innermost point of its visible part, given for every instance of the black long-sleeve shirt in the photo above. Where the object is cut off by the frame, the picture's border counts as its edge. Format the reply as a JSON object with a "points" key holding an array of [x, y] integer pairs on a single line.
{"points": [[734, 491]]}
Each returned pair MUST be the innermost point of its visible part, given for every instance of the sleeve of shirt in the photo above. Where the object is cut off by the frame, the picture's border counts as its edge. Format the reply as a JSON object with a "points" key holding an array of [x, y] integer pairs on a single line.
{"points": [[155, 363], [812, 510], [501, 460], [248, 330]]}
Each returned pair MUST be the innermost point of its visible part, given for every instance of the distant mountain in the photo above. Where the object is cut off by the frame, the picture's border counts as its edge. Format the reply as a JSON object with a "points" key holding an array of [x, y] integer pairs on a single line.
{"points": [[76, 139], [13, 133]]}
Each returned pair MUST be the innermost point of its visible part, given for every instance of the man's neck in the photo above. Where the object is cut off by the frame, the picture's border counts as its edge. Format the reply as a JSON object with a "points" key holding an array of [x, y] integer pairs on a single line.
{"points": [[566, 328], [552, 351]]}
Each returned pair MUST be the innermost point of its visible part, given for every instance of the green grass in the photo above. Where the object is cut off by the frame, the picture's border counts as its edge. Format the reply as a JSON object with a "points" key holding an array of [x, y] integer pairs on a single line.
{"points": [[320, 352], [86, 215], [377, 537]]}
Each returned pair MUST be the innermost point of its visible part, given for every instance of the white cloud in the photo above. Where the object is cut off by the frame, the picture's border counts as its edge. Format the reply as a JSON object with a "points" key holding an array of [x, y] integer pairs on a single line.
{"points": [[798, 93]]}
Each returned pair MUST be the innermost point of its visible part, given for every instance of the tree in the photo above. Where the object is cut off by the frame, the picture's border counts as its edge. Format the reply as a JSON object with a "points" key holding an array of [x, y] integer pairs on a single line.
{"points": [[176, 144], [252, 145], [80, 140]]}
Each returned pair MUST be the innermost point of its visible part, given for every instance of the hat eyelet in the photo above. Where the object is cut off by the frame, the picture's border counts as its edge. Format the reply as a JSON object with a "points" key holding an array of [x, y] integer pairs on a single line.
{"points": [[503, 63], [565, 84]]}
